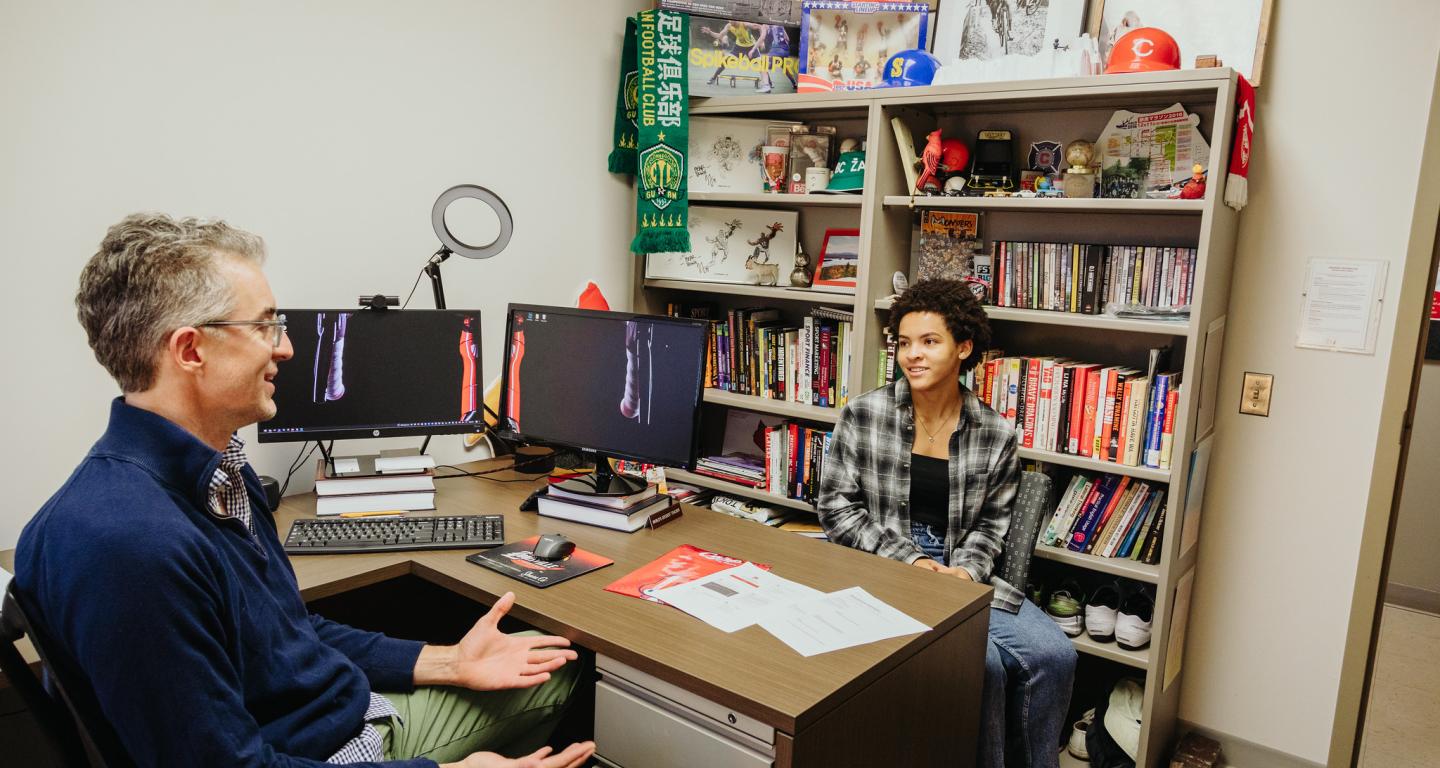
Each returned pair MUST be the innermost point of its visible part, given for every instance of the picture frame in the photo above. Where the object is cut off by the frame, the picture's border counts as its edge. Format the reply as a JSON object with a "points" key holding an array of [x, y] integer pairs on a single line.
{"points": [[844, 44], [1234, 30], [839, 264], [974, 32], [725, 153], [740, 246]]}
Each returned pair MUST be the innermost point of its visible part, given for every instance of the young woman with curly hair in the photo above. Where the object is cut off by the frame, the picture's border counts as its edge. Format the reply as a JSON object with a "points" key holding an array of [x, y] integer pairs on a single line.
{"points": [[922, 472]]}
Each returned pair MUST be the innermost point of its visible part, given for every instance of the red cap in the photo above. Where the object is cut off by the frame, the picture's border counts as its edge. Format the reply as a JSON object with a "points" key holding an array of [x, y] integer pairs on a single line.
{"points": [[1146, 49]]}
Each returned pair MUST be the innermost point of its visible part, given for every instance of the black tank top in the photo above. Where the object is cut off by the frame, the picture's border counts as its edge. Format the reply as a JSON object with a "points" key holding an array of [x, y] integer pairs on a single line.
{"points": [[930, 492]]}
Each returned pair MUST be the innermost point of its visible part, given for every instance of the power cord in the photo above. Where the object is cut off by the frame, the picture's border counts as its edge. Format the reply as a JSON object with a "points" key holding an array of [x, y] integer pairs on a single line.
{"points": [[482, 475]]}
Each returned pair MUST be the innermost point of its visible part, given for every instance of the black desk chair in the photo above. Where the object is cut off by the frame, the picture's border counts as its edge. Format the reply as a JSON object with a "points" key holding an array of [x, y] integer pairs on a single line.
{"points": [[67, 712], [1031, 510]]}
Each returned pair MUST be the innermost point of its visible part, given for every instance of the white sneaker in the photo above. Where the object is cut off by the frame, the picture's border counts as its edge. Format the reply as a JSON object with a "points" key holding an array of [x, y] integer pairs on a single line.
{"points": [[1100, 611], [1133, 622], [1077, 746]]}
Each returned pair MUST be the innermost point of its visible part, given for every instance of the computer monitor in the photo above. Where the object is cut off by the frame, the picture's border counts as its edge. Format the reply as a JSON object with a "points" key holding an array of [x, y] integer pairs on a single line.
{"points": [[378, 373], [616, 384]]}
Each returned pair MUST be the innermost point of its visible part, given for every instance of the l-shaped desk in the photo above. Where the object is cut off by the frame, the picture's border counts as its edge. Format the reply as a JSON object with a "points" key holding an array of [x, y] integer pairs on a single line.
{"points": [[911, 700]]}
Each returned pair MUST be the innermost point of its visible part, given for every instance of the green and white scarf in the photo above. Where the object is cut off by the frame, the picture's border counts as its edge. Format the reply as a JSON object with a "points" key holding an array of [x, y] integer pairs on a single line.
{"points": [[660, 101]]}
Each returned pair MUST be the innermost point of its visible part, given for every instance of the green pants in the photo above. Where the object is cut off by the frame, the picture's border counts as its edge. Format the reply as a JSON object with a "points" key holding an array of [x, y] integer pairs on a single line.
{"points": [[445, 724]]}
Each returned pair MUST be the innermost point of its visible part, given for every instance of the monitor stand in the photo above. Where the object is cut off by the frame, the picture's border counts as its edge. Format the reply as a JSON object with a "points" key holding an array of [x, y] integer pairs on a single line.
{"points": [[602, 482]]}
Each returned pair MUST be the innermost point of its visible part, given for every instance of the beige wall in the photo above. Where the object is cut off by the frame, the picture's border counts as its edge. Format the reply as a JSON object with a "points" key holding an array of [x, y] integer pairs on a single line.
{"points": [[1342, 119], [327, 127], [1413, 562]]}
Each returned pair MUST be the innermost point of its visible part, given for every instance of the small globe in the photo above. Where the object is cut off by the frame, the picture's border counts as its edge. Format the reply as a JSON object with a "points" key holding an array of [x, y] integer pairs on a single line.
{"points": [[1080, 153]]}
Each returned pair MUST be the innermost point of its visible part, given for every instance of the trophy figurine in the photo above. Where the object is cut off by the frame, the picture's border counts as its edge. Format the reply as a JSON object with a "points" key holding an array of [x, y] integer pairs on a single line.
{"points": [[1080, 177]]}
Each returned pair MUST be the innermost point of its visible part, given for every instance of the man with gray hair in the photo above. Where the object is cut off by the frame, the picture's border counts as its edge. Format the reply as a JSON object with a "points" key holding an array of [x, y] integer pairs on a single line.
{"points": [[156, 569]]}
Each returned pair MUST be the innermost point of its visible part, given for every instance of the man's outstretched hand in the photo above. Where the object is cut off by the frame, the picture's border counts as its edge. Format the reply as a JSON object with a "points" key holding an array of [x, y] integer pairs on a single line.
{"points": [[574, 756], [487, 659]]}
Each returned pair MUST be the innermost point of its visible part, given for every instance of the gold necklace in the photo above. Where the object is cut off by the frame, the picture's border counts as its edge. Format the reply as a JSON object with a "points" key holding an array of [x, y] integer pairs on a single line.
{"points": [[931, 435]]}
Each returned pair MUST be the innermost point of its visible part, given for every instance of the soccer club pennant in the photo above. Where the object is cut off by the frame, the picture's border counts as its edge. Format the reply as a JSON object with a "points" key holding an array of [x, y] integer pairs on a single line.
{"points": [[622, 152], [662, 109]]}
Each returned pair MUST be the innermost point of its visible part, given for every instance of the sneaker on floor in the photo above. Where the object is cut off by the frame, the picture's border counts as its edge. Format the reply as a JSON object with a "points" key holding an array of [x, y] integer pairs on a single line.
{"points": [[1100, 612], [1077, 746], [1066, 608], [1133, 621]]}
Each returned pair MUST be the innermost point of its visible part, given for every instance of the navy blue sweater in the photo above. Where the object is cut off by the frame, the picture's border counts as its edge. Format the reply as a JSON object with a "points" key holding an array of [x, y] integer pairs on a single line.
{"points": [[191, 631]]}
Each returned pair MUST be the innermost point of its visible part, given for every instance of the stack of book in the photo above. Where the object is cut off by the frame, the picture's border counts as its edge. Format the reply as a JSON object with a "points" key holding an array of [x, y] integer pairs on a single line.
{"points": [[741, 468], [1086, 279], [374, 484], [753, 351], [621, 513], [794, 457], [1109, 516]]}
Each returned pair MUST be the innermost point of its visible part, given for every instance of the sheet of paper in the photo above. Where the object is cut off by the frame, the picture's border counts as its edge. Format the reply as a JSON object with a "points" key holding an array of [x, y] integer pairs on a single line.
{"points": [[1341, 307], [837, 620], [4, 580], [346, 464], [733, 598], [1195, 494]]}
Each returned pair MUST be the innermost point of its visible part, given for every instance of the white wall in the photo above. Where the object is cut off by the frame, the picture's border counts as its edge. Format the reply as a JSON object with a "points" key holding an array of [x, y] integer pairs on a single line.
{"points": [[1342, 119], [329, 128]]}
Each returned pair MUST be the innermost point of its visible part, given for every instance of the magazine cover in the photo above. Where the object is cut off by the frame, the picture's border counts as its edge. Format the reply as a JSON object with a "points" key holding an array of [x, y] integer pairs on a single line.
{"points": [[516, 561], [729, 57], [948, 244], [679, 565], [846, 44]]}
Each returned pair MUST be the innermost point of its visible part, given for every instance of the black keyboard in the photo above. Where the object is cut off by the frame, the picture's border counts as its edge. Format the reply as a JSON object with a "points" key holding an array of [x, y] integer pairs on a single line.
{"points": [[357, 535]]}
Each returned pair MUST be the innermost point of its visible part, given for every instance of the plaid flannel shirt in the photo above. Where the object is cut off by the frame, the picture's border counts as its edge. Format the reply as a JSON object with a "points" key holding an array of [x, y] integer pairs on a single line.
{"points": [[865, 489]]}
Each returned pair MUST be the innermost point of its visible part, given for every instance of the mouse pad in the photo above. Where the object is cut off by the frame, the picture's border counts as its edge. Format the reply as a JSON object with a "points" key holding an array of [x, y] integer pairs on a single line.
{"points": [[517, 561]]}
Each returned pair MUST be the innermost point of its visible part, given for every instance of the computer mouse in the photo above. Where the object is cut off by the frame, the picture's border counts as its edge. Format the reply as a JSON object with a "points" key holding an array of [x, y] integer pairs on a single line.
{"points": [[553, 546]]}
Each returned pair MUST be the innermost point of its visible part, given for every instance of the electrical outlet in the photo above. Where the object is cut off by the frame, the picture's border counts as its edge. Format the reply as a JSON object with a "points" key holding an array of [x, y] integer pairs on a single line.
{"points": [[1255, 395]]}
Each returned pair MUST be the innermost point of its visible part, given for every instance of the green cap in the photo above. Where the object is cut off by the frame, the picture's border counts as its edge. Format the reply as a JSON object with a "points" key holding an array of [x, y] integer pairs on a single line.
{"points": [[849, 175]]}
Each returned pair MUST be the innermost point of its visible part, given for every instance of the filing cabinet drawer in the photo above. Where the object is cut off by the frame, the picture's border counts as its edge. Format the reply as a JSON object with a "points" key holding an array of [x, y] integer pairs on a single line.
{"points": [[635, 731]]}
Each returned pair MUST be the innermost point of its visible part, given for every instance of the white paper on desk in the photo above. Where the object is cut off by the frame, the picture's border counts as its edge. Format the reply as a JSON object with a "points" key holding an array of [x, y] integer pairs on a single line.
{"points": [[838, 620], [735, 597], [4, 580]]}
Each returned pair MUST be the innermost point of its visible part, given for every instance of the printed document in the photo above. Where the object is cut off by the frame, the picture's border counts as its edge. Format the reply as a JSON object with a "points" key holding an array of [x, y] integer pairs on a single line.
{"points": [[837, 620], [733, 598]]}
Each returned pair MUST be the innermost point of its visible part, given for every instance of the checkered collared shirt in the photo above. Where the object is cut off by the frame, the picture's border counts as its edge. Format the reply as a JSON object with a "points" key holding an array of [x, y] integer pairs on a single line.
{"points": [[367, 746], [228, 499], [865, 489]]}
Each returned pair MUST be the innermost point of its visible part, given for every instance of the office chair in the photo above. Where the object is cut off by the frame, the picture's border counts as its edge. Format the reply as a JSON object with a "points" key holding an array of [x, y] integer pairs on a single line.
{"points": [[68, 714], [1032, 506]]}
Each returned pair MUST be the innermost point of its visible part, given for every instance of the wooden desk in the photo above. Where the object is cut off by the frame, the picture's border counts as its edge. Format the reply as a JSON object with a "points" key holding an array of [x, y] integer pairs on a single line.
{"points": [[916, 696]]}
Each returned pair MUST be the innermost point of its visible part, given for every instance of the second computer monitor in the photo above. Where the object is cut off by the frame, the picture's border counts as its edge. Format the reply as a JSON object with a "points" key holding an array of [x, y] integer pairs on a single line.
{"points": [[615, 383]]}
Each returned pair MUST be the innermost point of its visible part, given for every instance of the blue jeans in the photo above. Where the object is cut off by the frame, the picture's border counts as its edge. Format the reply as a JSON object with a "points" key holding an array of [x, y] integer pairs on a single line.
{"points": [[1029, 670]]}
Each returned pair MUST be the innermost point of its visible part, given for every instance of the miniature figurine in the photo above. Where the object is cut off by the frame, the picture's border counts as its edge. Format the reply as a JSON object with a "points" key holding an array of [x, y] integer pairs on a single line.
{"points": [[931, 158], [800, 276], [1194, 187]]}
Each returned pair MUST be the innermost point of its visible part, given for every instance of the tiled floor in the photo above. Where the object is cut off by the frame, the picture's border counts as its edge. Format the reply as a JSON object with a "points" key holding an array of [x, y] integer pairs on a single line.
{"points": [[1402, 728]]}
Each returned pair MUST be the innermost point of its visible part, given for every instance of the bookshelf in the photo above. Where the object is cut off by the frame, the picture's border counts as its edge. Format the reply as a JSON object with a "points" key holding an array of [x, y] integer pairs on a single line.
{"points": [[1058, 110]]}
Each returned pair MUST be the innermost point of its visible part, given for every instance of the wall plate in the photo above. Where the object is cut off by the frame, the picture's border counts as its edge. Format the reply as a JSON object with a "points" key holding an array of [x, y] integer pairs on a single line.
{"points": [[1255, 394]]}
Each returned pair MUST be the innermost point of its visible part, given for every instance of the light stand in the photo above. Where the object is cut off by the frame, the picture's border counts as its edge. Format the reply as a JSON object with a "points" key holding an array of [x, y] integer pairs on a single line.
{"points": [[450, 244]]}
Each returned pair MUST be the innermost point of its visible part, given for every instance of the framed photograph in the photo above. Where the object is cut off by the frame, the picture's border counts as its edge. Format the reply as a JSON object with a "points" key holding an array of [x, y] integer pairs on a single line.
{"points": [[1233, 30], [839, 264], [754, 246], [844, 45], [733, 57], [725, 153], [994, 29]]}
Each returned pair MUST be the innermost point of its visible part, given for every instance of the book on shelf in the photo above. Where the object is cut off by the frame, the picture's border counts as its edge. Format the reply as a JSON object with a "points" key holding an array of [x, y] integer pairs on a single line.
{"points": [[1055, 404], [650, 512], [1107, 516], [1086, 278], [609, 502], [329, 484], [946, 245], [755, 351], [746, 509], [402, 501]]}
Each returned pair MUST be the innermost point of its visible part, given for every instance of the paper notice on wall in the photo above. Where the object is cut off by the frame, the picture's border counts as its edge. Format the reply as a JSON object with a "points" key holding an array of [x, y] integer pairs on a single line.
{"points": [[1341, 307]]}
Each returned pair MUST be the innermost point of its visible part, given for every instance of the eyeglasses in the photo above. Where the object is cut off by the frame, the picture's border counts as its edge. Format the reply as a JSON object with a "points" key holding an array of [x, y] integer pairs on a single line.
{"points": [[278, 324]]}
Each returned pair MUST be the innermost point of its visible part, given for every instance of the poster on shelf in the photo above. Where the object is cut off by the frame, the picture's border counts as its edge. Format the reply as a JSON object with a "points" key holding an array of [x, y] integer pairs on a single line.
{"points": [[968, 33], [1147, 154], [746, 246], [725, 153]]}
